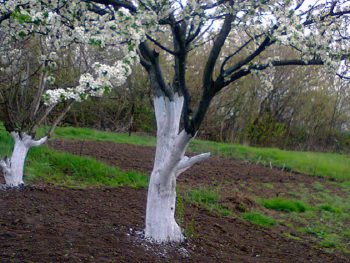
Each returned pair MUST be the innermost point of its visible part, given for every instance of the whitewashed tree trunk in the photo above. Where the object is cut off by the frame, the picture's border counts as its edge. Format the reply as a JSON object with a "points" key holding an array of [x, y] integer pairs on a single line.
{"points": [[13, 167], [170, 162]]}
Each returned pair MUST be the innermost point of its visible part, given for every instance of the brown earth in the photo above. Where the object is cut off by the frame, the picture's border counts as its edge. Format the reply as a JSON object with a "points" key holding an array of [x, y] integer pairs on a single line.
{"points": [[51, 224], [48, 224]]}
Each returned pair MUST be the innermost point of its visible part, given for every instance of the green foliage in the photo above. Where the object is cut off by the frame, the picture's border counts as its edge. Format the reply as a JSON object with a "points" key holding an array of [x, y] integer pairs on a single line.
{"points": [[286, 205], [95, 42], [21, 18], [259, 219], [144, 119], [266, 130]]}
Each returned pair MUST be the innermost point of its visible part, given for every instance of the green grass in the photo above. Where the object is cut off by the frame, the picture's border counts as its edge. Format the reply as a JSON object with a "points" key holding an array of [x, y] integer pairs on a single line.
{"points": [[6, 143], [259, 219], [327, 239], [47, 165], [95, 135], [208, 199], [328, 165], [330, 241], [286, 205], [345, 185], [327, 220], [330, 208], [268, 186]]}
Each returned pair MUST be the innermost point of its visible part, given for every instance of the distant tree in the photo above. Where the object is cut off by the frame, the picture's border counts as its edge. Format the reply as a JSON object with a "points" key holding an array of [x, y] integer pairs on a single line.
{"points": [[27, 71], [28, 91]]}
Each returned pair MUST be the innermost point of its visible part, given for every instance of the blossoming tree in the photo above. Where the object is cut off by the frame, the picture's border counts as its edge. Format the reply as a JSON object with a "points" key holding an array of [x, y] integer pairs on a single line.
{"points": [[60, 25], [317, 32]]}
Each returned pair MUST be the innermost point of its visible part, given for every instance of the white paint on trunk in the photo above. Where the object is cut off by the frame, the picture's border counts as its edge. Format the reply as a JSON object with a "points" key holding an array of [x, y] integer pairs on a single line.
{"points": [[13, 167], [170, 162]]}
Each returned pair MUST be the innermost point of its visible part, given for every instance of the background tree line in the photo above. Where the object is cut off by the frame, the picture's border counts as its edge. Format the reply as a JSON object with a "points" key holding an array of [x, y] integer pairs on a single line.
{"points": [[301, 108], [297, 108]]}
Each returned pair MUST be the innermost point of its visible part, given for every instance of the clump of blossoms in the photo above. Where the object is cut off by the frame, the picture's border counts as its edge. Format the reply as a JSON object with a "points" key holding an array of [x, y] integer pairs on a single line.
{"points": [[316, 32], [105, 76], [95, 86], [86, 22]]}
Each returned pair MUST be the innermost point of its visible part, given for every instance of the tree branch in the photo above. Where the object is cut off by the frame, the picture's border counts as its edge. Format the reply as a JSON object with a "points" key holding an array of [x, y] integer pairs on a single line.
{"points": [[187, 162], [160, 45], [244, 72]]}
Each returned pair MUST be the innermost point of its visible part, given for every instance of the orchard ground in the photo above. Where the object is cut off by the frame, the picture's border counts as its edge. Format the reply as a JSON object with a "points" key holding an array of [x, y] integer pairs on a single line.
{"points": [[87, 196]]}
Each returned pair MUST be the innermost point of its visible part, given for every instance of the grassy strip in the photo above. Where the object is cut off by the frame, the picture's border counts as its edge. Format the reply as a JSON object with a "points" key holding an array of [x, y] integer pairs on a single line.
{"points": [[47, 165], [259, 219], [95, 135], [285, 205], [208, 199], [328, 165]]}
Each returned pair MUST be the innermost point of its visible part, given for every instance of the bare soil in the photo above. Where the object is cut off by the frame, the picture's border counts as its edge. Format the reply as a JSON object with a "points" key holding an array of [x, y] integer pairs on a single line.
{"points": [[50, 224]]}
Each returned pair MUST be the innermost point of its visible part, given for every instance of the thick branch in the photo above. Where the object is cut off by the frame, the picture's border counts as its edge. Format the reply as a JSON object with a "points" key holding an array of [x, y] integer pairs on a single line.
{"points": [[38, 142], [60, 117], [207, 82], [115, 3], [150, 61], [188, 162], [38, 95], [267, 42], [244, 72], [160, 45], [215, 51]]}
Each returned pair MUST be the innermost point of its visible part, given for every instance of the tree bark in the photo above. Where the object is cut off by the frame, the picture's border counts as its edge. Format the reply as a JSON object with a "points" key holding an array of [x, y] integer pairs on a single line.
{"points": [[13, 167], [170, 162]]}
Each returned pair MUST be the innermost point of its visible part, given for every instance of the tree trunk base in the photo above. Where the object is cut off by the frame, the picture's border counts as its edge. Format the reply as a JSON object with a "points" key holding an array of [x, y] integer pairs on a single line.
{"points": [[161, 226], [13, 167], [5, 187]]}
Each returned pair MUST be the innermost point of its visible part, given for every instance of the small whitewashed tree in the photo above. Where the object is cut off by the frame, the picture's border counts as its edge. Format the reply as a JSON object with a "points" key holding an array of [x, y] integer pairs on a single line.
{"points": [[318, 31], [60, 25], [25, 74]]}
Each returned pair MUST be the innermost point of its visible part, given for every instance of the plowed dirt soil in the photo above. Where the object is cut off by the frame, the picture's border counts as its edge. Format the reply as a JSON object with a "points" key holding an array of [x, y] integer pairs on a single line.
{"points": [[45, 223]]}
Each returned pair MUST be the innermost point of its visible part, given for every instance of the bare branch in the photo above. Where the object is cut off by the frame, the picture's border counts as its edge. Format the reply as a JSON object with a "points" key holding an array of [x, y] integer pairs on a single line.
{"points": [[187, 162], [160, 45]]}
